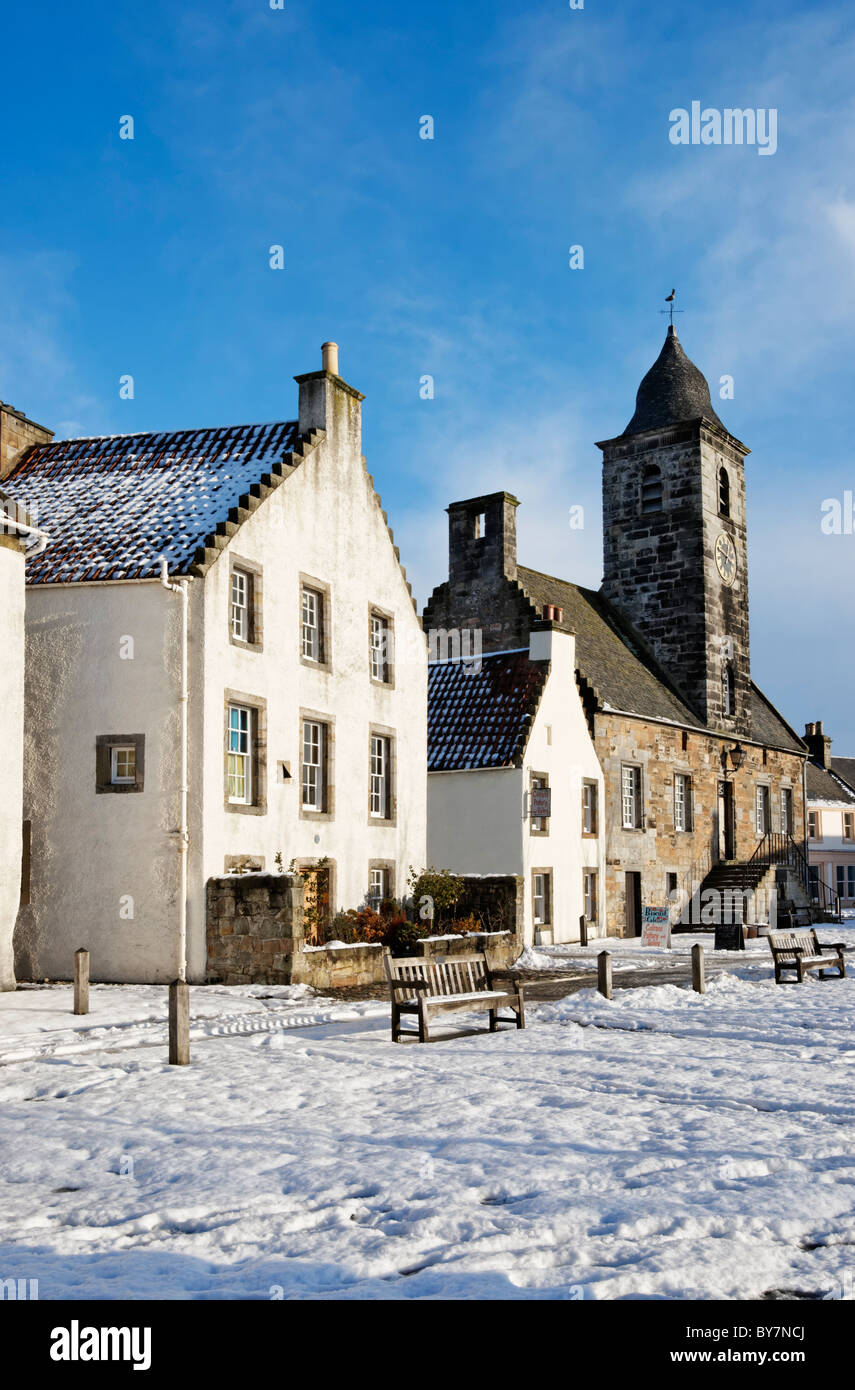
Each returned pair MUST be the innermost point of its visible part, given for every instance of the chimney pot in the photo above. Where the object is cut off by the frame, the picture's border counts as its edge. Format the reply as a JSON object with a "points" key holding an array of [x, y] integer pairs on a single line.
{"points": [[329, 357]]}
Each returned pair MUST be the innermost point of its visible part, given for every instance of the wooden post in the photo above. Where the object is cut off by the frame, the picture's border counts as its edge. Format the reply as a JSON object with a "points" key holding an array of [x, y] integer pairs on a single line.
{"points": [[698, 982], [583, 930], [179, 1023], [81, 981], [604, 974]]}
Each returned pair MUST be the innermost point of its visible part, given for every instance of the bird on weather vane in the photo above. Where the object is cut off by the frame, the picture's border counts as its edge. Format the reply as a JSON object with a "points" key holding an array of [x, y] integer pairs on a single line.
{"points": [[670, 311]]}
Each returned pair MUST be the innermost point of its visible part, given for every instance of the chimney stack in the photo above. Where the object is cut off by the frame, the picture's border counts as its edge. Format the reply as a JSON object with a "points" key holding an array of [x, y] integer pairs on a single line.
{"points": [[819, 745], [17, 433], [328, 403], [482, 541]]}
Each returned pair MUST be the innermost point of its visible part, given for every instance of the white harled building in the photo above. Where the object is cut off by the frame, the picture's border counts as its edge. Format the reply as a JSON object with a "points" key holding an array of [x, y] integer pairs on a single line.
{"points": [[284, 617], [514, 783]]}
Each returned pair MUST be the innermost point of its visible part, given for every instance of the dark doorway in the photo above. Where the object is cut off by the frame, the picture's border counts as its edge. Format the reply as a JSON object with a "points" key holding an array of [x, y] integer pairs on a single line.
{"points": [[633, 904], [726, 849]]}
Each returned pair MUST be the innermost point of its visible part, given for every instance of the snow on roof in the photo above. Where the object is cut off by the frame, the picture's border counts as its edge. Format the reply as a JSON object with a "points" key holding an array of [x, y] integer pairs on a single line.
{"points": [[481, 710], [114, 504]]}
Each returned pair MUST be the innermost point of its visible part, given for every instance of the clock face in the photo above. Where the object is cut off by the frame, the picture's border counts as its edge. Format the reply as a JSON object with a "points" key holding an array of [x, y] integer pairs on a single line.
{"points": [[725, 557]]}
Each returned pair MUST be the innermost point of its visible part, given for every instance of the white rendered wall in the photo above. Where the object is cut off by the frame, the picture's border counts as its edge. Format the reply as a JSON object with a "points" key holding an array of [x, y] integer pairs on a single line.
{"points": [[11, 776], [325, 522], [560, 745], [104, 865], [478, 821], [99, 856]]}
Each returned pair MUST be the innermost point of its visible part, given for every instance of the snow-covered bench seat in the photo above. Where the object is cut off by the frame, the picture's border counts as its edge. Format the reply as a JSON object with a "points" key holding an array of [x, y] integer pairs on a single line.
{"points": [[801, 951], [428, 985]]}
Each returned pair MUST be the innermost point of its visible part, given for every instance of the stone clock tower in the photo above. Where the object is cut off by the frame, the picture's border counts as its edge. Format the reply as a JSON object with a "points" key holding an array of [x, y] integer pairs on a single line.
{"points": [[674, 539]]}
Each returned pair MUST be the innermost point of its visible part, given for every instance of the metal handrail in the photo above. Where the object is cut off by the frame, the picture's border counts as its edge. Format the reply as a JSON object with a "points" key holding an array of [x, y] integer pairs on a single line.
{"points": [[778, 847]]}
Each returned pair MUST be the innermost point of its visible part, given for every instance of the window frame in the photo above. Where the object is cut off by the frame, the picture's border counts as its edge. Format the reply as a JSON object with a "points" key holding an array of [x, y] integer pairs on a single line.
{"points": [[327, 763], [591, 790], [762, 798], [252, 575], [638, 792], [104, 745], [386, 867], [381, 615], [256, 707], [687, 826], [323, 626], [545, 896], [590, 876], [848, 826], [786, 811], [389, 814], [816, 817]]}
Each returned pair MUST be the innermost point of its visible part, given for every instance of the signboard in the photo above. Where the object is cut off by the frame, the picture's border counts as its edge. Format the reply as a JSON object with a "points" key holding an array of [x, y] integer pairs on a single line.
{"points": [[541, 802], [656, 927], [729, 936]]}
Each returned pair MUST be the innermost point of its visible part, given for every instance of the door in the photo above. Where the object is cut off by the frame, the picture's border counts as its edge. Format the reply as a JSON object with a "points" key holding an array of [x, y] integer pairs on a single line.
{"points": [[633, 904], [316, 904], [725, 821]]}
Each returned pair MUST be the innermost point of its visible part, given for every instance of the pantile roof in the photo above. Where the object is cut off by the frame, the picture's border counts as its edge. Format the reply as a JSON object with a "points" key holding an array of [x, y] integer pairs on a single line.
{"points": [[113, 505], [481, 710]]}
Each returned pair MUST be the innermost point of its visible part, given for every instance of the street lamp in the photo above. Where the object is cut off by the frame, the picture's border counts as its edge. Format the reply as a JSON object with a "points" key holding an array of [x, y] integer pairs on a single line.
{"points": [[737, 756]]}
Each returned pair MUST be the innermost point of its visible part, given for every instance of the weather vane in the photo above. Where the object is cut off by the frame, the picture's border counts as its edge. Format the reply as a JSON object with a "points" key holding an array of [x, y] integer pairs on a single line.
{"points": [[671, 311]]}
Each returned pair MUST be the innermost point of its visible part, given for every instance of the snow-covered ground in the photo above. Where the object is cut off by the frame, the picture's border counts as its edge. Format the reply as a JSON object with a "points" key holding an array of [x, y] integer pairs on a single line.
{"points": [[663, 1144]]}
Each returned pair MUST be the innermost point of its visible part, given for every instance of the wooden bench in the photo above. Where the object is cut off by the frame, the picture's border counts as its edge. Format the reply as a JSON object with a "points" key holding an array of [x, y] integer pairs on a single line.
{"points": [[429, 985], [801, 951]]}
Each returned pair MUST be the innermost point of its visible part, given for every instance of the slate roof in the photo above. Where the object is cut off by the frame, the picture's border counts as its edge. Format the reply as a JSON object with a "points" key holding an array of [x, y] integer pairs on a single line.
{"points": [[824, 786], [672, 391], [845, 769], [480, 712], [621, 672], [114, 504]]}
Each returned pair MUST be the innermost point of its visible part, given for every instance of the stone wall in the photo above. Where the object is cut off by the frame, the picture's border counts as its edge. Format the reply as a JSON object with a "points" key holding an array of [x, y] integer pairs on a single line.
{"points": [[657, 848], [497, 900], [17, 433], [254, 928], [255, 934]]}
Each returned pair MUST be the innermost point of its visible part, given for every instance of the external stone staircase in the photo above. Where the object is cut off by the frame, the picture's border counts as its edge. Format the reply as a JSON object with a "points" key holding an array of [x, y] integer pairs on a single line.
{"points": [[744, 893]]}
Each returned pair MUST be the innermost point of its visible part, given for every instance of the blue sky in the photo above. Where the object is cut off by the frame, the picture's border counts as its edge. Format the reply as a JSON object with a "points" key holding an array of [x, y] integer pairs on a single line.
{"points": [[450, 257]]}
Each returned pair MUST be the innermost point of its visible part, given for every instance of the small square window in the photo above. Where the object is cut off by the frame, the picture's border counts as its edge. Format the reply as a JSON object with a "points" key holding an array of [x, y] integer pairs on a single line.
{"points": [[119, 762], [123, 763]]}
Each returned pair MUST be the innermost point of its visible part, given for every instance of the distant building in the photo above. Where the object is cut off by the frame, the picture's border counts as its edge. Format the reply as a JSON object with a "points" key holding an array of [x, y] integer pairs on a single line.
{"points": [[306, 682], [700, 769], [831, 817], [514, 785]]}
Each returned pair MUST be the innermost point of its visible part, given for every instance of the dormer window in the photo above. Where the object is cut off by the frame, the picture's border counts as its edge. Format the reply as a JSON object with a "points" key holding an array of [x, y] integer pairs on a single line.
{"points": [[651, 490], [723, 492]]}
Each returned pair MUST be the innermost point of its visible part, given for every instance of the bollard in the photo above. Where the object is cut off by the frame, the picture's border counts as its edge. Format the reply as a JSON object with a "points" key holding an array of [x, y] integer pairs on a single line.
{"points": [[698, 983], [179, 1023], [583, 930], [81, 981], [604, 974]]}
